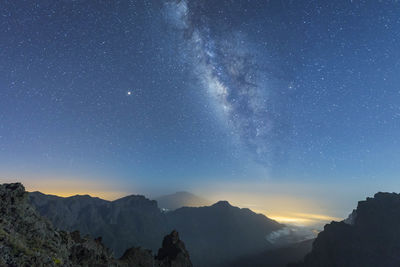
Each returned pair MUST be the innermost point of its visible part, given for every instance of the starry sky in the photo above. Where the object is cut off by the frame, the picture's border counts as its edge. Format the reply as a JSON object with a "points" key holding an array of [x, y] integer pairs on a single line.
{"points": [[280, 106]]}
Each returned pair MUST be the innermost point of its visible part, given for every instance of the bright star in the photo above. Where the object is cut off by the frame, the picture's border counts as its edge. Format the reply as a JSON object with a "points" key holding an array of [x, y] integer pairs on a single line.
{"points": [[129, 93]]}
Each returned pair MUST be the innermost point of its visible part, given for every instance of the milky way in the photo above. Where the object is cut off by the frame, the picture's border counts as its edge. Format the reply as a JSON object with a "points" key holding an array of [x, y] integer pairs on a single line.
{"points": [[226, 65]]}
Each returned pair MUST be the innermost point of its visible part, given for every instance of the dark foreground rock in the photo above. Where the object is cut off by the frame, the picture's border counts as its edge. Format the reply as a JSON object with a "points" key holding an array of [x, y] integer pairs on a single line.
{"points": [[27, 239], [370, 237], [173, 251]]}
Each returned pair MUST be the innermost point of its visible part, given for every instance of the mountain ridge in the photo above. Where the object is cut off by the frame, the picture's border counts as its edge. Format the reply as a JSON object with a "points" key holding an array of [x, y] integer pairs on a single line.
{"points": [[145, 224]]}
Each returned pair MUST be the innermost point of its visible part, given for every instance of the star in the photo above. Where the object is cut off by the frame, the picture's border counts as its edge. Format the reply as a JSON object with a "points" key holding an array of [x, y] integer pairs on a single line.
{"points": [[129, 93]]}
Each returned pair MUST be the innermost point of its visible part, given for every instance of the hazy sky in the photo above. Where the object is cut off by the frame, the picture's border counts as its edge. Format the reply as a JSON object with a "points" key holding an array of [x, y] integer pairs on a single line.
{"points": [[281, 106]]}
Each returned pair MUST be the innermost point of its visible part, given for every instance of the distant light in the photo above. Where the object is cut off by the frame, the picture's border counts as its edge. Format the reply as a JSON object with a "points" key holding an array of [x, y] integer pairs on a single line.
{"points": [[129, 93]]}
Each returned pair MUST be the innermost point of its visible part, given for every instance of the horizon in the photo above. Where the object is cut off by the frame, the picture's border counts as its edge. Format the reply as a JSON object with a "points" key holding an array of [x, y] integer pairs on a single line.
{"points": [[294, 217]]}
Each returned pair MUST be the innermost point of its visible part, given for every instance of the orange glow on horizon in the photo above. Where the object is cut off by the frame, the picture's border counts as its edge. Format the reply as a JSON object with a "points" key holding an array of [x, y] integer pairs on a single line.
{"points": [[293, 220], [71, 187], [299, 219], [284, 208], [303, 219], [103, 195]]}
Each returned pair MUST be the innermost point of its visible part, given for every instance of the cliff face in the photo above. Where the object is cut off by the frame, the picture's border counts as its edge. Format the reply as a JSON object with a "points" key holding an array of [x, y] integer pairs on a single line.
{"points": [[27, 239], [370, 237]]}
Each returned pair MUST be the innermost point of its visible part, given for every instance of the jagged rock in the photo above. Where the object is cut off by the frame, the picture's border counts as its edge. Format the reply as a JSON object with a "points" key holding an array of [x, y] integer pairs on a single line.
{"points": [[369, 238], [27, 239], [173, 252]]}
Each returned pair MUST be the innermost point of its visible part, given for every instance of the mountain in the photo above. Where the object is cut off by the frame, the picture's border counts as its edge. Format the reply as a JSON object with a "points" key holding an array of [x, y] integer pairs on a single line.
{"points": [[212, 234], [181, 199], [279, 257], [368, 238], [27, 239], [220, 232], [123, 223]]}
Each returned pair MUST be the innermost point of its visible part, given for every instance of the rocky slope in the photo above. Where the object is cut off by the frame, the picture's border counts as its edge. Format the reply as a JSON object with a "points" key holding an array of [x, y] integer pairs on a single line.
{"points": [[27, 239], [370, 237], [212, 234]]}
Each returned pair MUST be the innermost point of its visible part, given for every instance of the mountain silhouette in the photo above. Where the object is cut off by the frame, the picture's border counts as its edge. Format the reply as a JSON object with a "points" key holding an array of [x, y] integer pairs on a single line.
{"points": [[368, 238], [220, 232], [123, 223], [212, 234]]}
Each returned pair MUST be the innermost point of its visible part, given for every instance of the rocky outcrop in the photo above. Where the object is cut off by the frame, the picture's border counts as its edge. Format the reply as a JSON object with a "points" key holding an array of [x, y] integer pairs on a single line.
{"points": [[27, 239], [171, 254], [370, 237], [173, 251]]}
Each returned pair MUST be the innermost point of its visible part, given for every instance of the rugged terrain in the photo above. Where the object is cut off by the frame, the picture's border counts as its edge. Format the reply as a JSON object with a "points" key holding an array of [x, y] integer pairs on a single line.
{"points": [[370, 237], [212, 234], [28, 239], [130, 221]]}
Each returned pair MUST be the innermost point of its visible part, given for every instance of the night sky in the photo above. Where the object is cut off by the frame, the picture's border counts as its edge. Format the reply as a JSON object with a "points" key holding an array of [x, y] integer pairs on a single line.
{"points": [[253, 101]]}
